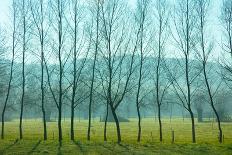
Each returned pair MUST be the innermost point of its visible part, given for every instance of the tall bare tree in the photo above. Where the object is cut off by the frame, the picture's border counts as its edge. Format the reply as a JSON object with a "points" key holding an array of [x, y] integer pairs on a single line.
{"points": [[80, 54], [74, 87], [24, 34], [116, 77], [162, 16], [94, 66], [185, 38], [58, 11], [206, 48], [38, 14], [140, 45], [14, 11]]}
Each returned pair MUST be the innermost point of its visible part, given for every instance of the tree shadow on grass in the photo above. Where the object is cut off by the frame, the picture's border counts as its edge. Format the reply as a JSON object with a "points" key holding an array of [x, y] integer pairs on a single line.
{"points": [[79, 145], [126, 147], [59, 148], [108, 148], [10, 146], [35, 147]]}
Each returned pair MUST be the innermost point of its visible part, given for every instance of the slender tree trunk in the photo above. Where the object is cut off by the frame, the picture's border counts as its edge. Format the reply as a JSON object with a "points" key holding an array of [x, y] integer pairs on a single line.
{"points": [[160, 124], [187, 72], [212, 105], [74, 72], [72, 122], [157, 82], [219, 124], [193, 127], [139, 125], [23, 73], [93, 72], [137, 97], [212, 102], [60, 70], [117, 124], [42, 72], [59, 124], [106, 119], [204, 62], [42, 90]]}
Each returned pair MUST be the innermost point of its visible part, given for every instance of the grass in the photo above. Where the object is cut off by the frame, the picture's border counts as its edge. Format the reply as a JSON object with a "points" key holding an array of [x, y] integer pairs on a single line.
{"points": [[32, 143]]}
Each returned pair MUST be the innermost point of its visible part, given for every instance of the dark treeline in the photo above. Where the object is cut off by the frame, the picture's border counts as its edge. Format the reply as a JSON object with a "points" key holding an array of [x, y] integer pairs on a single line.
{"points": [[109, 59]]}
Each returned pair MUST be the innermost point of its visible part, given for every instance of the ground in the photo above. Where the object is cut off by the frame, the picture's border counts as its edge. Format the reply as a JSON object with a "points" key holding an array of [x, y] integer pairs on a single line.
{"points": [[32, 143]]}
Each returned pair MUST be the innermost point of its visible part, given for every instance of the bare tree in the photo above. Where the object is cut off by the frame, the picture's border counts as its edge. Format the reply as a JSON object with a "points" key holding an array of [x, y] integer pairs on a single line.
{"points": [[184, 23], [206, 48], [162, 20], [93, 67], [25, 26], [78, 47], [116, 77], [14, 11], [75, 56], [58, 10], [141, 15], [38, 14]]}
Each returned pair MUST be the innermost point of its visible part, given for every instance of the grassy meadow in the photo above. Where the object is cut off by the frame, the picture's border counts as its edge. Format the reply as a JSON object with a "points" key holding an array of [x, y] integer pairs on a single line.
{"points": [[32, 142]]}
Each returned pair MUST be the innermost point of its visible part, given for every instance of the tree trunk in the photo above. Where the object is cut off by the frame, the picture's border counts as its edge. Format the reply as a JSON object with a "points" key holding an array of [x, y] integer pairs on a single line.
{"points": [[106, 119], [3, 123], [44, 122], [93, 72], [160, 124], [117, 124], [139, 125], [219, 123], [59, 125], [23, 73], [72, 122], [42, 91], [193, 127]]}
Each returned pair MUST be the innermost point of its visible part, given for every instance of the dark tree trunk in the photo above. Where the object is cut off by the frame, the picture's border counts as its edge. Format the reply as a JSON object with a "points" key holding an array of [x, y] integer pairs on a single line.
{"points": [[137, 97], [139, 125], [72, 122], [105, 124], [72, 134], [60, 35], [93, 71], [193, 127], [23, 73], [42, 72], [117, 124], [160, 124], [59, 125], [219, 124], [188, 83]]}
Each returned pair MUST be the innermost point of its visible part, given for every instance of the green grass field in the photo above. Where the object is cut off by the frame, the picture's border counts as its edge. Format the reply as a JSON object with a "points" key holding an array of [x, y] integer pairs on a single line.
{"points": [[32, 142]]}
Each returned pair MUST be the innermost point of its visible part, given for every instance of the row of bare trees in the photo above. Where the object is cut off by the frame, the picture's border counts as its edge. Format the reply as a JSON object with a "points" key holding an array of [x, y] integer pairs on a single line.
{"points": [[111, 42]]}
